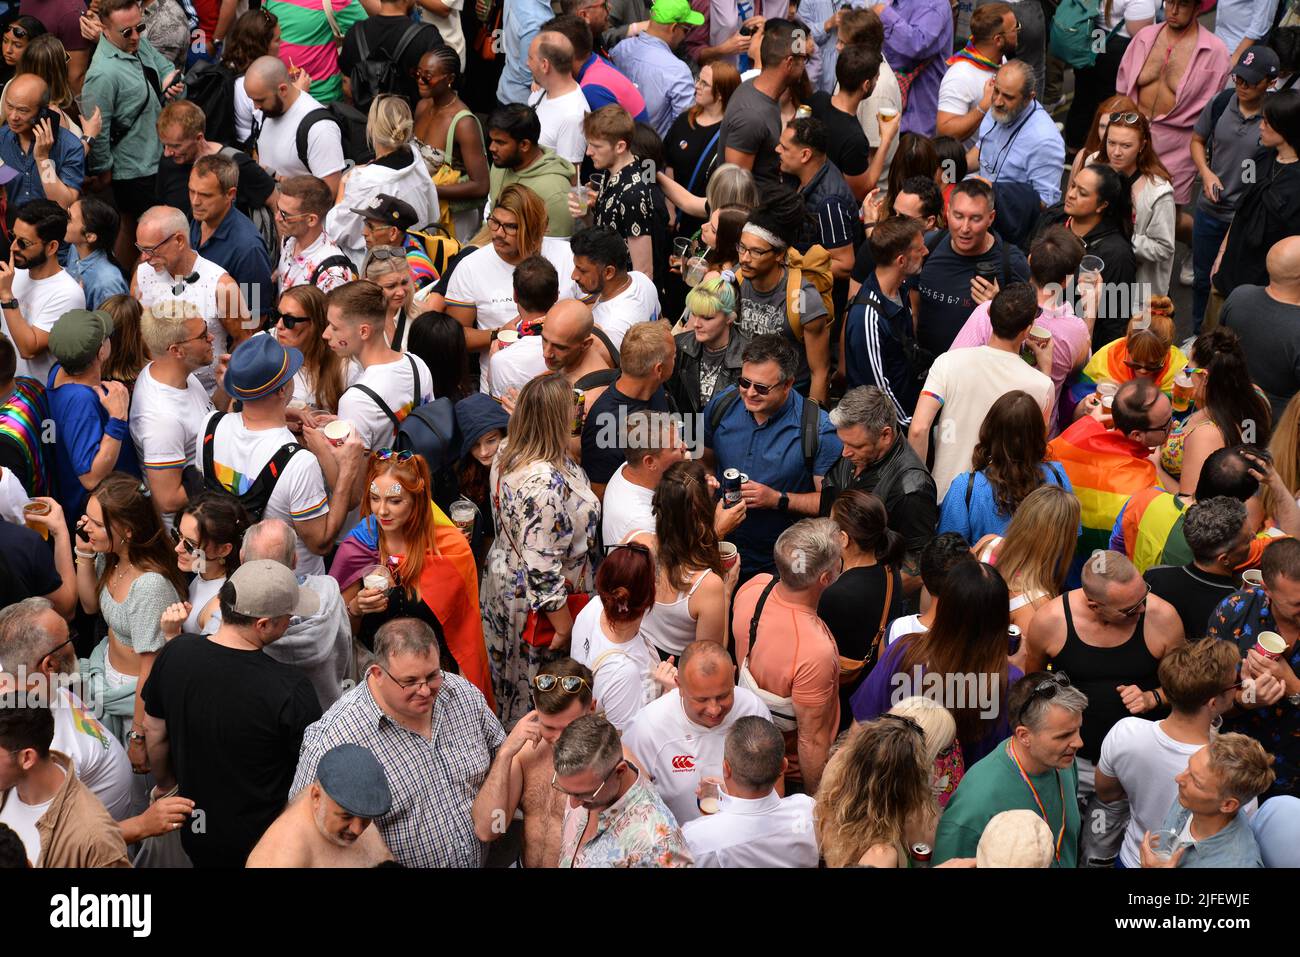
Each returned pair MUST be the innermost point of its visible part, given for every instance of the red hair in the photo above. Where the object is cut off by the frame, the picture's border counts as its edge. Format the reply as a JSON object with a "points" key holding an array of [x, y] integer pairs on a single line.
{"points": [[418, 530], [626, 582]]}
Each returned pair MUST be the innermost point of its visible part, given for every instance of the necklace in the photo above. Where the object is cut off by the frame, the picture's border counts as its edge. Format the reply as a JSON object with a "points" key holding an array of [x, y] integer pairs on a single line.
{"points": [[1011, 750]]}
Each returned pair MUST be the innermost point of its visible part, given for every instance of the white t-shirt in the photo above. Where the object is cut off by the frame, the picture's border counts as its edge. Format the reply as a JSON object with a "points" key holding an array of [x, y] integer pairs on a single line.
{"points": [[42, 302], [392, 381], [676, 752], [486, 281], [22, 818], [907, 625], [561, 119], [277, 143], [513, 366], [156, 285], [769, 832], [238, 457], [625, 508], [246, 114], [623, 685], [449, 26], [12, 497], [165, 421], [98, 757], [639, 302], [961, 90], [304, 393], [1127, 10], [967, 382]]}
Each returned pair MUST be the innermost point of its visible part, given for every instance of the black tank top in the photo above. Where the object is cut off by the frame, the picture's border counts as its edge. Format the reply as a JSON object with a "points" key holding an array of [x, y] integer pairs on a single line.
{"points": [[1098, 671]]}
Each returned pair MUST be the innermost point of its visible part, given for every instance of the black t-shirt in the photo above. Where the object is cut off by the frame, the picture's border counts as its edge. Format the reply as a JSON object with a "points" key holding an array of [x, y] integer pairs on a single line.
{"points": [[853, 605], [1269, 211], [604, 429], [386, 32], [1270, 338], [235, 721], [26, 565], [1193, 593], [689, 155], [254, 189], [944, 285], [849, 149]]}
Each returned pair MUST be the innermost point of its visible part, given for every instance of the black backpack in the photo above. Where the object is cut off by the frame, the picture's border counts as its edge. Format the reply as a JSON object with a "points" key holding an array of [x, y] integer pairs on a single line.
{"points": [[379, 71], [352, 131], [329, 262], [809, 425], [430, 432], [259, 493], [211, 87]]}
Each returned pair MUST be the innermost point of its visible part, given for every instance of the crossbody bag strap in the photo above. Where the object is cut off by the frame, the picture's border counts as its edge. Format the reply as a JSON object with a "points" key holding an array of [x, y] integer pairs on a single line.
{"points": [[758, 612]]}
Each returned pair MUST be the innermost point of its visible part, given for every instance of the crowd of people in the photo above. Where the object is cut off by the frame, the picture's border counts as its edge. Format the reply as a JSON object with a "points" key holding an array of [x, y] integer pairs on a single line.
{"points": [[678, 433]]}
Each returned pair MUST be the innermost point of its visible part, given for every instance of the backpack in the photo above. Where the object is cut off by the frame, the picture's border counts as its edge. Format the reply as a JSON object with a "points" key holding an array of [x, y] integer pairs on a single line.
{"points": [[379, 71], [815, 267], [259, 493], [211, 87], [430, 432], [435, 248], [329, 262], [1071, 37], [809, 425], [352, 132]]}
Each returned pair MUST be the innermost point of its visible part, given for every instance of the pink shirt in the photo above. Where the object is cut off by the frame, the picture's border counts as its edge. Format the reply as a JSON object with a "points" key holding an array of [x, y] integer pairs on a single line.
{"points": [[1206, 74]]}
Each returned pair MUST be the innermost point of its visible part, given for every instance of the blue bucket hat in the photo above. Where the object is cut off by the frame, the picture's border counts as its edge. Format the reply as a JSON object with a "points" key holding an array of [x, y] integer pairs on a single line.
{"points": [[258, 367]]}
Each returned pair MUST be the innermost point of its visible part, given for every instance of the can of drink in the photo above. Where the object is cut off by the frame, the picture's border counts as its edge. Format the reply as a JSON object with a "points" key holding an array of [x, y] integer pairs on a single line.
{"points": [[1013, 639], [579, 402], [921, 853], [730, 487]]}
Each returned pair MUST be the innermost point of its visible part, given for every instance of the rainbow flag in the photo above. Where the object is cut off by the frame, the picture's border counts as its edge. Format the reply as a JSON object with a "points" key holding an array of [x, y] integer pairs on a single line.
{"points": [[23, 419], [1105, 469], [1107, 365]]}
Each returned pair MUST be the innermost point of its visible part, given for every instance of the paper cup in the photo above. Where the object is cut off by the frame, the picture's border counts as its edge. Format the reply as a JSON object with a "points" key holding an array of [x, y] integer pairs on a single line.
{"points": [[338, 431], [1252, 577], [507, 336], [1271, 645], [729, 555], [1041, 335]]}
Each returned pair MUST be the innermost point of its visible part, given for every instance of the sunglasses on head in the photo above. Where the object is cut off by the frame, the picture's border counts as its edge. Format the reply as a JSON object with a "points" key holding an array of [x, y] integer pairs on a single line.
{"points": [[1056, 681], [569, 684], [635, 546], [18, 33], [1125, 118], [384, 455]]}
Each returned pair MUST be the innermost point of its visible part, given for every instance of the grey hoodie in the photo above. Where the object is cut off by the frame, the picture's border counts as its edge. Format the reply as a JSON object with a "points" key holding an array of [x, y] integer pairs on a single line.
{"points": [[319, 646]]}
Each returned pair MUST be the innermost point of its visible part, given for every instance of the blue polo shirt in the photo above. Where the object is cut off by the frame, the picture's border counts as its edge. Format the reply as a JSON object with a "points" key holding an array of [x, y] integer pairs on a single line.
{"points": [[69, 164], [237, 247], [770, 454], [79, 422]]}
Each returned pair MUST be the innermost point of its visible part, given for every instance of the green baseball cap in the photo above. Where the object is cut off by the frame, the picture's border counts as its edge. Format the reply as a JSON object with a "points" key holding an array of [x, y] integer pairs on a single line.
{"points": [[77, 335], [675, 11]]}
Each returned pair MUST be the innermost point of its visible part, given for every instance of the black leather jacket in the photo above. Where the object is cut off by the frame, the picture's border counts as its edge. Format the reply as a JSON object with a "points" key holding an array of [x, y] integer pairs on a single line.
{"points": [[684, 386]]}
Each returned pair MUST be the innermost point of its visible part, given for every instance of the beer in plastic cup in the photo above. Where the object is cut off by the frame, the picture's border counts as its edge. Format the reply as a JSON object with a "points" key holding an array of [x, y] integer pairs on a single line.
{"points": [[707, 800], [885, 113], [1164, 843], [462, 513], [36, 508], [1184, 386]]}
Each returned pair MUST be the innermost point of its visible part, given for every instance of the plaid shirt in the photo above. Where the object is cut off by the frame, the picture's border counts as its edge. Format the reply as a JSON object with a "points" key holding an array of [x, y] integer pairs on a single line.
{"points": [[433, 782]]}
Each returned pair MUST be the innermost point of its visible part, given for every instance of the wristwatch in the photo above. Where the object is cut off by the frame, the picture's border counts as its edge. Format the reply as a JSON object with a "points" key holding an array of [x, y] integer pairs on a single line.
{"points": [[1294, 699], [8, 303], [783, 503], [134, 736]]}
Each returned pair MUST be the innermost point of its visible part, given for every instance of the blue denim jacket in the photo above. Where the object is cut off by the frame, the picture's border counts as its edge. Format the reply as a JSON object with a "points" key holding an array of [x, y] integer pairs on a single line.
{"points": [[1234, 846], [99, 278]]}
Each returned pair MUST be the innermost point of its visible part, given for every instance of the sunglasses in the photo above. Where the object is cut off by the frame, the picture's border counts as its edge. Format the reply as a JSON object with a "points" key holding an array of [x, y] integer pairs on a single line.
{"points": [[635, 546], [18, 33], [1133, 118], [424, 76], [191, 547], [384, 253], [747, 384], [26, 243], [1190, 369], [1143, 367], [569, 684], [288, 318], [127, 32], [385, 455], [1048, 687]]}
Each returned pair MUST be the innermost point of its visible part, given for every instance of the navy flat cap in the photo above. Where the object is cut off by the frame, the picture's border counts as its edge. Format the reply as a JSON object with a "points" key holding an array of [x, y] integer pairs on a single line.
{"points": [[353, 777]]}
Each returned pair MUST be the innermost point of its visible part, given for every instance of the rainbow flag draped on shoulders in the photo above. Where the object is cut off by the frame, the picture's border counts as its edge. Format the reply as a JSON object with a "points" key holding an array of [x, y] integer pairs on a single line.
{"points": [[969, 54], [1107, 365], [1105, 468], [1148, 523], [22, 419]]}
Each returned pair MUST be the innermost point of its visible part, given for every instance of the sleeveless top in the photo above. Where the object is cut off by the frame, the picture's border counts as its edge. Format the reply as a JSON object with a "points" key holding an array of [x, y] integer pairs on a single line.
{"points": [[989, 556], [201, 592], [669, 624], [157, 286], [1098, 671]]}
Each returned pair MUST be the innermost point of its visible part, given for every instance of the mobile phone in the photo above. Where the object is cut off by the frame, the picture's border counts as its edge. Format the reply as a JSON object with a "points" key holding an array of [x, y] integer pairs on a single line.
{"points": [[48, 114], [81, 534], [748, 31]]}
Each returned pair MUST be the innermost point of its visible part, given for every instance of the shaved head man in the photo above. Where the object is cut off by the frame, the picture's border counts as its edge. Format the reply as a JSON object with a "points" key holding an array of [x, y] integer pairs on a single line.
{"points": [[267, 84], [284, 108], [1267, 320]]}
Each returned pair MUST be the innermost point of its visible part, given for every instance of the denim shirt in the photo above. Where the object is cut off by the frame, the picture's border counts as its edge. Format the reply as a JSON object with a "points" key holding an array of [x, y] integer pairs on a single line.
{"points": [[1234, 846], [66, 152], [99, 278]]}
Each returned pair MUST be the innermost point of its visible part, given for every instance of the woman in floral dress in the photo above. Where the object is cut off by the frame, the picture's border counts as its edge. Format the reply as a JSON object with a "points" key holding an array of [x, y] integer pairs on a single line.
{"points": [[546, 519]]}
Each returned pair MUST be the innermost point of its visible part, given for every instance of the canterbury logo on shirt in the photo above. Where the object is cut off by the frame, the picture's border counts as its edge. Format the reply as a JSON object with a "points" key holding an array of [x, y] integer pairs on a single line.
{"points": [[683, 762]]}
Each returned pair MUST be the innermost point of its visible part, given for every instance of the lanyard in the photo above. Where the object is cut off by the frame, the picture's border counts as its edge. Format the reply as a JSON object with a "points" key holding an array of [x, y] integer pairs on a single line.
{"points": [[1037, 800], [1004, 153]]}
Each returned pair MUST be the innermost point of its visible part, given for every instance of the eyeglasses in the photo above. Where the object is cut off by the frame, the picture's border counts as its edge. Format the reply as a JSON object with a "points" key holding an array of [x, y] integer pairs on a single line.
{"points": [[742, 251], [584, 798], [432, 682], [150, 250], [508, 228], [1131, 611], [47, 654], [746, 384], [1047, 688], [206, 335], [569, 684], [1163, 428], [1143, 366], [1133, 118], [288, 318], [127, 32], [282, 217], [1015, 29], [26, 243]]}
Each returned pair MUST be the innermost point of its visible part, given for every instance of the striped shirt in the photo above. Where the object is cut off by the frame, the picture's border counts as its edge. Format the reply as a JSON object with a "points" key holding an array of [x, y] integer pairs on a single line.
{"points": [[433, 781], [306, 40], [830, 202], [877, 337]]}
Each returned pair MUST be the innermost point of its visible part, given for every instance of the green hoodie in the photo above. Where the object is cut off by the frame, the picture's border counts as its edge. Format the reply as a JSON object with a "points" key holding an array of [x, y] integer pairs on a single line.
{"points": [[551, 178]]}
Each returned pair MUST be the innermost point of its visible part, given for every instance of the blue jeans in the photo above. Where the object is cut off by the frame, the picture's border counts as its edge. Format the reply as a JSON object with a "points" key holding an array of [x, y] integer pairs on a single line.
{"points": [[1207, 235]]}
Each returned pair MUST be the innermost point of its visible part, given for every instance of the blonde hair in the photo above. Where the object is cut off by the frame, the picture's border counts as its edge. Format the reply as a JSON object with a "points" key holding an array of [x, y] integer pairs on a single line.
{"points": [[1243, 767], [644, 345], [540, 426], [1285, 446], [712, 297], [162, 325], [389, 125], [935, 720], [1038, 545]]}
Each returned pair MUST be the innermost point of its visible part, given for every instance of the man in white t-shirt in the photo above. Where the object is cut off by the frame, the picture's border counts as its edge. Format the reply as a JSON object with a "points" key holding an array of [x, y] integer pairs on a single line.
{"points": [[356, 316], [511, 365], [169, 404], [1140, 758], [938, 555], [678, 739], [966, 92], [284, 107], [963, 385], [260, 375], [653, 443], [34, 289], [559, 100], [622, 298], [754, 826]]}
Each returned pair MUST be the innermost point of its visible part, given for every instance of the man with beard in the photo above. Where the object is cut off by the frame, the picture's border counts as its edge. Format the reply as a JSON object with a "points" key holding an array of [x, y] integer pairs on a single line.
{"points": [[513, 134], [284, 107], [1018, 141], [329, 825], [619, 298], [966, 93], [34, 289]]}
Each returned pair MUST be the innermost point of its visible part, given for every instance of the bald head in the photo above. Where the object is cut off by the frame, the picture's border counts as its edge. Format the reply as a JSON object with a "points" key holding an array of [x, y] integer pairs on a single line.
{"points": [[25, 97], [271, 539], [161, 222], [566, 334], [1284, 262], [705, 658], [571, 318], [267, 84], [267, 71]]}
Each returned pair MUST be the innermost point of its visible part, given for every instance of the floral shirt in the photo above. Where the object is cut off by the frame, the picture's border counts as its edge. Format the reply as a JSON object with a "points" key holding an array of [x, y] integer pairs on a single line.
{"points": [[637, 830], [296, 267], [1240, 618]]}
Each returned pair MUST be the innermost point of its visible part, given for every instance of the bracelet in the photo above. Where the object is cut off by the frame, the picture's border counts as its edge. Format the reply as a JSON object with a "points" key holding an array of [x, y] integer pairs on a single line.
{"points": [[87, 555], [118, 429]]}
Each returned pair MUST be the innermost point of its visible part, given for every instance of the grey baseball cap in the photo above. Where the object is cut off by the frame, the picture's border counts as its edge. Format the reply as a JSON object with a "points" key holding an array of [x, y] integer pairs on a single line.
{"points": [[267, 589]]}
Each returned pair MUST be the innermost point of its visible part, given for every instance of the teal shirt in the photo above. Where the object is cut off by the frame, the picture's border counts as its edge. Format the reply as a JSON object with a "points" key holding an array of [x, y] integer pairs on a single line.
{"points": [[115, 82], [993, 785]]}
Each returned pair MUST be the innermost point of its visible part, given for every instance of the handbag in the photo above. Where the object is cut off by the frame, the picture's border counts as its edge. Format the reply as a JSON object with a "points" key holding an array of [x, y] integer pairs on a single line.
{"points": [[446, 174], [850, 668]]}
